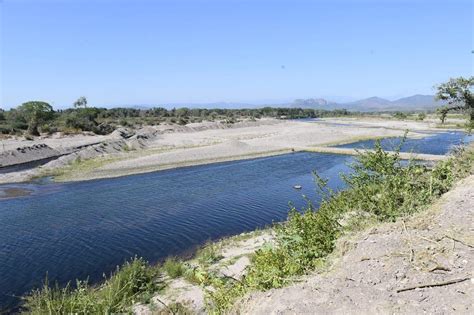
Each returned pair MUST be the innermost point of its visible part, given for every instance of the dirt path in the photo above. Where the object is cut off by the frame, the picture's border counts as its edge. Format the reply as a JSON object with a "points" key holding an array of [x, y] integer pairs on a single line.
{"points": [[432, 248]]}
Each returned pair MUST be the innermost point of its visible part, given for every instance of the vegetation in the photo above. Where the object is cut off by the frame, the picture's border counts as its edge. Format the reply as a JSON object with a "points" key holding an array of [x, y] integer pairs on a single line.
{"points": [[32, 116], [173, 267], [421, 116], [380, 188], [400, 115], [458, 93], [133, 282], [209, 254], [81, 102]]}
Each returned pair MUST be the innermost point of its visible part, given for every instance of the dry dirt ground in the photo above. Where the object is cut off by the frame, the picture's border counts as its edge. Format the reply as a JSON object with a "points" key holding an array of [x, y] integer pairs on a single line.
{"points": [[234, 253], [377, 271], [155, 148]]}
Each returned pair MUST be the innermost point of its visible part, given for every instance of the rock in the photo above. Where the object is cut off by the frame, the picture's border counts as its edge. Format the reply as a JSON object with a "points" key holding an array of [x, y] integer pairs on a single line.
{"points": [[237, 269]]}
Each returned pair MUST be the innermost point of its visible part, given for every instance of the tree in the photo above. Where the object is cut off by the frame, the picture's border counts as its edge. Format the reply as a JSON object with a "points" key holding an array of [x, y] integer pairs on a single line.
{"points": [[81, 102], [421, 116], [35, 113], [459, 95], [442, 112], [83, 118], [400, 115]]}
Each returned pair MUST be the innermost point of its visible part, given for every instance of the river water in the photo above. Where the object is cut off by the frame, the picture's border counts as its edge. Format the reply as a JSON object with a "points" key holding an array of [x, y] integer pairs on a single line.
{"points": [[85, 229]]}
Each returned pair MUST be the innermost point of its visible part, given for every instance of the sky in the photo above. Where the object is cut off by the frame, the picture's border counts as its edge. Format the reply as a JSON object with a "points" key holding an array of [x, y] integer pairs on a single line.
{"points": [[161, 52]]}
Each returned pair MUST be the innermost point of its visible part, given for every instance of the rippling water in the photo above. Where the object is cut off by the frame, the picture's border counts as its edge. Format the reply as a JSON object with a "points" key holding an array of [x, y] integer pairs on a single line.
{"points": [[82, 229], [438, 143], [76, 230]]}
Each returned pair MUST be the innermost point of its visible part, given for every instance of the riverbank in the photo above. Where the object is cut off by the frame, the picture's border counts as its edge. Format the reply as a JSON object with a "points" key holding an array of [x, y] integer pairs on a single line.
{"points": [[225, 271], [127, 152], [422, 264]]}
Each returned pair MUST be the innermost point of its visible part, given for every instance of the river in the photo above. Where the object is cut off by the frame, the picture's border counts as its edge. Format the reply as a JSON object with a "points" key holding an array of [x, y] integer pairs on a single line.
{"points": [[85, 229]]}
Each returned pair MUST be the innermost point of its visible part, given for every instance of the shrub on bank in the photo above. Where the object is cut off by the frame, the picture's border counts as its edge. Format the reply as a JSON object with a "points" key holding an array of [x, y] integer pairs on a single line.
{"points": [[134, 282], [381, 187], [173, 268]]}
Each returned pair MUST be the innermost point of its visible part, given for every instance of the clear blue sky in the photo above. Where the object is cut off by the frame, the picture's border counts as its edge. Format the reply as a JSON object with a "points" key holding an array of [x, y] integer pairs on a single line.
{"points": [[155, 52]]}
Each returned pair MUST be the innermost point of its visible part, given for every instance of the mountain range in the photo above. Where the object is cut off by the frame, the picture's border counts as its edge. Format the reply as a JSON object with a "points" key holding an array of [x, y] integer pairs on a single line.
{"points": [[416, 102], [412, 103]]}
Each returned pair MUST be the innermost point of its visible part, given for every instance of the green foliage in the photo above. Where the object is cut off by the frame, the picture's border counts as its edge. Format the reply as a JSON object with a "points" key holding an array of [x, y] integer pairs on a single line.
{"points": [[103, 121], [458, 93], [421, 116], [14, 122], [173, 267], [400, 115], [82, 118], [81, 102], [35, 113], [135, 281], [442, 113], [380, 187], [208, 254], [177, 309]]}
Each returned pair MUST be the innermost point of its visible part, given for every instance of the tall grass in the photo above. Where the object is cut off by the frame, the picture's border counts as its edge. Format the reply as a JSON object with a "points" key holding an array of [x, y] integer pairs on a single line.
{"points": [[173, 267], [135, 281], [381, 187]]}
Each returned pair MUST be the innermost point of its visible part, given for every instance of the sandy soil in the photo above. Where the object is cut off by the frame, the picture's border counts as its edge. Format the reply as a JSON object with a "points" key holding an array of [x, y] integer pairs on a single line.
{"points": [[234, 251], [369, 271], [162, 147]]}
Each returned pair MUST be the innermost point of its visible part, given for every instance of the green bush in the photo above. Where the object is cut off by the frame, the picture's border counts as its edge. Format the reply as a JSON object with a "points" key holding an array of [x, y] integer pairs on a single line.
{"points": [[421, 116], [173, 267], [135, 281], [400, 115], [208, 254]]}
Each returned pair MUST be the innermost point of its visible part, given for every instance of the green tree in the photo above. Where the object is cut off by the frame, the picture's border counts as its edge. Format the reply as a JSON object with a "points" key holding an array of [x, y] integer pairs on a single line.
{"points": [[35, 113], [442, 113], [81, 102], [400, 115], [83, 118], [421, 116], [458, 94]]}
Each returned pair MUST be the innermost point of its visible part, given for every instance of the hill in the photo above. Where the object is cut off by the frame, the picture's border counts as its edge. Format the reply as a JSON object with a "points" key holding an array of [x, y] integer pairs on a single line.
{"points": [[416, 102], [412, 103]]}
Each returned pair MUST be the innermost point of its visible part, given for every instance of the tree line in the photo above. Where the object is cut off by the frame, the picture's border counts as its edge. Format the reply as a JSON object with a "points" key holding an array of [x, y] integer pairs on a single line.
{"points": [[36, 116]]}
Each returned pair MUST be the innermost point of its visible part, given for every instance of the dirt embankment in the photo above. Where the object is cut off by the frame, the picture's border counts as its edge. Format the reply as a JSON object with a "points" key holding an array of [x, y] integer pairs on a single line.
{"points": [[87, 146], [423, 264], [153, 148], [27, 154]]}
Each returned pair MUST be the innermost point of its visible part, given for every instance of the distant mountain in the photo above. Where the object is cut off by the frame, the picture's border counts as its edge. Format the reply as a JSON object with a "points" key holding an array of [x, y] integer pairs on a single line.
{"points": [[412, 103], [229, 105], [416, 102], [369, 104], [419, 102], [314, 103]]}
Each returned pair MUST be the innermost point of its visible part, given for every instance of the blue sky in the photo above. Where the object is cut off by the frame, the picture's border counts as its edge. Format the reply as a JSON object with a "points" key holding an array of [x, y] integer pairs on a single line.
{"points": [[155, 52]]}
